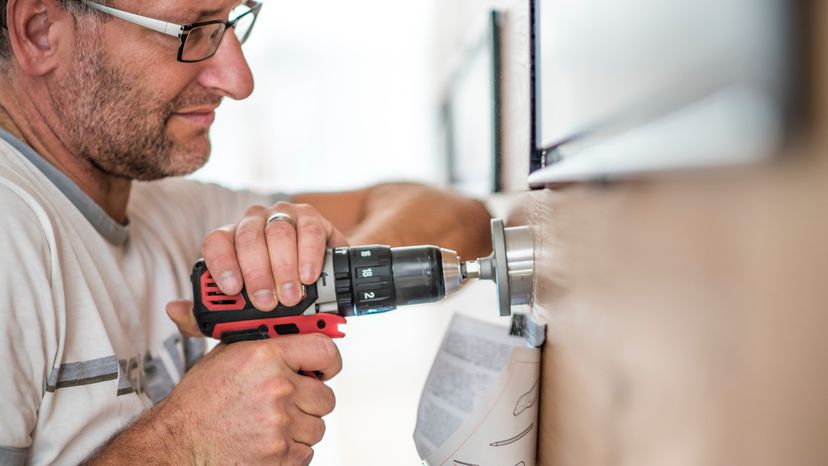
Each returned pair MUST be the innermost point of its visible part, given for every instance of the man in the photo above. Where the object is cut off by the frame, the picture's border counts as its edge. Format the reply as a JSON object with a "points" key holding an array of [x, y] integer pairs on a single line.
{"points": [[102, 106]]}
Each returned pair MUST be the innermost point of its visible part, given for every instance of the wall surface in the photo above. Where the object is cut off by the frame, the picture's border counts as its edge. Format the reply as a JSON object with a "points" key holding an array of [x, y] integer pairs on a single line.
{"points": [[687, 312]]}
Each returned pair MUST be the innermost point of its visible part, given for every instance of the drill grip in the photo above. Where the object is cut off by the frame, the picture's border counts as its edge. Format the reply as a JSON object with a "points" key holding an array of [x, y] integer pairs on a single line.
{"points": [[234, 318]]}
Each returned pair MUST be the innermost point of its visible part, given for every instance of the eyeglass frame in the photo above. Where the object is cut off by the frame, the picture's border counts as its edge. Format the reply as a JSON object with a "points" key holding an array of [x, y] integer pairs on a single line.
{"points": [[181, 31]]}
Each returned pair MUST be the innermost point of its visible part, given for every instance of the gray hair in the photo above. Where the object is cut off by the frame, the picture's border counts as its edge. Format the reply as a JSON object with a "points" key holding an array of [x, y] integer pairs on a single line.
{"points": [[73, 6]]}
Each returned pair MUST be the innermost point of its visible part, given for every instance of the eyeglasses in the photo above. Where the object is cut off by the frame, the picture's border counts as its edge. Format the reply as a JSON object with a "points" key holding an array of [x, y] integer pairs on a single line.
{"points": [[199, 41]]}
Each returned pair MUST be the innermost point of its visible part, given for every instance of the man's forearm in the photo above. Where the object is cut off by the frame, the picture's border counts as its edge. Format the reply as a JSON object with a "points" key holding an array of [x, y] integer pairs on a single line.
{"points": [[402, 214], [151, 439], [408, 214]]}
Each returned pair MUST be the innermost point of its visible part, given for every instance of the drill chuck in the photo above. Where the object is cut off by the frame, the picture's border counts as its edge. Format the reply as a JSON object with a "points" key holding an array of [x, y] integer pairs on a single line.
{"points": [[372, 279]]}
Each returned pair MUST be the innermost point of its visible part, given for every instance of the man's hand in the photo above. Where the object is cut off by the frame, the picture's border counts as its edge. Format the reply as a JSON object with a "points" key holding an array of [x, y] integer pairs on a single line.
{"points": [[243, 403], [272, 260]]}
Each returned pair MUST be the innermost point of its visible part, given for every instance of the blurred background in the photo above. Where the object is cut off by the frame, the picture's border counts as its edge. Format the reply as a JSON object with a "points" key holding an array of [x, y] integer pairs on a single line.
{"points": [[351, 94], [344, 98]]}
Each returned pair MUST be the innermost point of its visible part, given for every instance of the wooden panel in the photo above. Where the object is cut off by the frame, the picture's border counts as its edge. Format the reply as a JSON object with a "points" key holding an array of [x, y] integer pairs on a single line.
{"points": [[688, 313]]}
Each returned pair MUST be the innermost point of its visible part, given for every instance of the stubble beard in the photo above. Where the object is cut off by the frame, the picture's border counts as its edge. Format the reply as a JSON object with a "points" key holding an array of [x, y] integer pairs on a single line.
{"points": [[119, 127]]}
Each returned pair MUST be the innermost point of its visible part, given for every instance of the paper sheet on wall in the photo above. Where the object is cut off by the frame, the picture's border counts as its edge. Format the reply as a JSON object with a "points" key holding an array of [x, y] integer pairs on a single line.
{"points": [[479, 406]]}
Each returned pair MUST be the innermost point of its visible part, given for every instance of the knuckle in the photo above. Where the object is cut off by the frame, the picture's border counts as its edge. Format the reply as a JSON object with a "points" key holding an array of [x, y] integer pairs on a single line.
{"points": [[214, 239], [282, 205], [279, 445], [314, 228], [255, 210], [323, 345], [307, 212], [257, 354], [281, 388], [279, 422], [304, 208], [303, 454]]}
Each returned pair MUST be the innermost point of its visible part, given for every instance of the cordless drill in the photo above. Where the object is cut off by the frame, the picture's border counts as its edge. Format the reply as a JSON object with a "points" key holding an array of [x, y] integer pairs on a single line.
{"points": [[355, 281]]}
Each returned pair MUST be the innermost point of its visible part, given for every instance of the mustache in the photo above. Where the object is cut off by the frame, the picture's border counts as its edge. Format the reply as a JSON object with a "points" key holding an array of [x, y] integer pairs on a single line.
{"points": [[196, 98]]}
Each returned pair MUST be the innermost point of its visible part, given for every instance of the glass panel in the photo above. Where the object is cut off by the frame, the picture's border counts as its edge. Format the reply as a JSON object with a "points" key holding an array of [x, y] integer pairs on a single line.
{"points": [[243, 27], [202, 42], [716, 72]]}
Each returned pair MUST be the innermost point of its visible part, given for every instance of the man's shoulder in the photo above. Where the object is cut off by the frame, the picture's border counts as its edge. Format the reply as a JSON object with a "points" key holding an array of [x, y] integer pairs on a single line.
{"points": [[24, 186], [23, 215]]}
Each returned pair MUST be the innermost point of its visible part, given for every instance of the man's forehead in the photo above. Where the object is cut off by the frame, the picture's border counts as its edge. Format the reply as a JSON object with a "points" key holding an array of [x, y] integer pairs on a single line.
{"points": [[184, 11]]}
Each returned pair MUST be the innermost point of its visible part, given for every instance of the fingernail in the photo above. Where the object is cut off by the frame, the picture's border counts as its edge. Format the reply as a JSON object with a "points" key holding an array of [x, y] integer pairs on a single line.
{"points": [[229, 281], [307, 273], [264, 298], [289, 292]]}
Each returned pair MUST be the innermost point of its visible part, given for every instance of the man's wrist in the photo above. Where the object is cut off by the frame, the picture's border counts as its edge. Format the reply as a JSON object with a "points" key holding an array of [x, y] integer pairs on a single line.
{"points": [[156, 437]]}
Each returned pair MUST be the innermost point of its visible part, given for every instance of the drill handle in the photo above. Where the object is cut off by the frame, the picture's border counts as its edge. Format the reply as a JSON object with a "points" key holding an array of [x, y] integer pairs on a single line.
{"points": [[234, 318]]}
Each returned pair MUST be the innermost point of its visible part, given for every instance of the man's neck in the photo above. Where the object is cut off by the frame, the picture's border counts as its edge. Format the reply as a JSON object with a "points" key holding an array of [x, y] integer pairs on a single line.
{"points": [[111, 193]]}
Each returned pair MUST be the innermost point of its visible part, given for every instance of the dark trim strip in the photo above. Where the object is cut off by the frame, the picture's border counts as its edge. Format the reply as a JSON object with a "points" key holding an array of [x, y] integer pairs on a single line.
{"points": [[13, 456], [74, 374]]}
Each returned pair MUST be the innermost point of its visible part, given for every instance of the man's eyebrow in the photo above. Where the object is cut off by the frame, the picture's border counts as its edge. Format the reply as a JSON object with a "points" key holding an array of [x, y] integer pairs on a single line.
{"points": [[211, 14]]}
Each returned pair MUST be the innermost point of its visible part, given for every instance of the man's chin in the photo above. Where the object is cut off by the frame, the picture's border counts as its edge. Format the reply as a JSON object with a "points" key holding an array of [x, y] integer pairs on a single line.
{"points": [[187, 165], [175, 165], [188, 156]]}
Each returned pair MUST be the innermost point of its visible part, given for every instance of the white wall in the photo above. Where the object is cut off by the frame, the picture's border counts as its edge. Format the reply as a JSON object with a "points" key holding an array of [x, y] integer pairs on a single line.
{"points": [[343, 99]]}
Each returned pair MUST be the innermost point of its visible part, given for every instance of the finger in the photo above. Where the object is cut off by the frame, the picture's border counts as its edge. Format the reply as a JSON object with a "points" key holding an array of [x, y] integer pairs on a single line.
{"points": [[219, 252], [251, 251], [336, 239], [281, 248], [313, 397], [310, 352], [312, 231], [304, 428], [181, 313], [300, 454]]}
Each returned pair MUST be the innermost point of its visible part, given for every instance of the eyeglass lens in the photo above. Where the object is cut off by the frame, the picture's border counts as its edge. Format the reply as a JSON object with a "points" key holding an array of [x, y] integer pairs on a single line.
{"points": [[203, 41]]}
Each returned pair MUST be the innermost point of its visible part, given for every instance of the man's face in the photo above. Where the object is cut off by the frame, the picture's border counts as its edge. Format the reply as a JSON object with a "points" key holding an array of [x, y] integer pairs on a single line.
{"points": [[132, 110]]}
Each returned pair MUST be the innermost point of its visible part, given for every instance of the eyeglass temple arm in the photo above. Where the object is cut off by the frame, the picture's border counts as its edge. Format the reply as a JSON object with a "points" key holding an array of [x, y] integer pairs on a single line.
{"points": [[171, 29]]}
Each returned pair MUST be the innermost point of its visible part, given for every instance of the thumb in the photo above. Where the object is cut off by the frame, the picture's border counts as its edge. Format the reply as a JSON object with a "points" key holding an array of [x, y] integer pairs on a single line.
{"points": [[181, 313]]}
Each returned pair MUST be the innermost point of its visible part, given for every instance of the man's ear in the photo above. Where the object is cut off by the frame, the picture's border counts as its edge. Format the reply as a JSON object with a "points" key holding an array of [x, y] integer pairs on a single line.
{"points": [[36, 29]]}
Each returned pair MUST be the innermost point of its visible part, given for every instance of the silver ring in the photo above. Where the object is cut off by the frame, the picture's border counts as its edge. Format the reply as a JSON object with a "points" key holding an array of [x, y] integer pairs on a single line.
{"points": [[281, 217]]}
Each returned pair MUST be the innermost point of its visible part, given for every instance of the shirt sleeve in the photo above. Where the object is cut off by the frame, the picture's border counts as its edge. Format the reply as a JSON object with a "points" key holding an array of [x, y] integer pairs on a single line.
{"points": [[27, 320], [213, 205]]}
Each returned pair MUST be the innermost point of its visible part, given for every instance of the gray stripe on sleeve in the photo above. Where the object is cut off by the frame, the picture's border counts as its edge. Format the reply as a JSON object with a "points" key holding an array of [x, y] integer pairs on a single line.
{"points": [[173, 347], [194, 349], [124, 385], [157, 381], [13, 456], [82, 373]]}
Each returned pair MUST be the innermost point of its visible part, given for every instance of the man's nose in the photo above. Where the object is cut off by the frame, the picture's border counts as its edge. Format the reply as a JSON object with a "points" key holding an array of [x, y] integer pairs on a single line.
{"points": [[227, 72]]}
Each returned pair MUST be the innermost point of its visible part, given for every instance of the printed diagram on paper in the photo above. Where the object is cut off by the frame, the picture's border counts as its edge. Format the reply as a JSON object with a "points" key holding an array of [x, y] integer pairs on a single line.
{"points": [[479, 406]]}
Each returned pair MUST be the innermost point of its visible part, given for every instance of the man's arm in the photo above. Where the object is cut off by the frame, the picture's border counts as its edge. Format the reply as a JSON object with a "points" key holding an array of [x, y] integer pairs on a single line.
{"points": [[242, 404], [404, 214], [27, 324]]}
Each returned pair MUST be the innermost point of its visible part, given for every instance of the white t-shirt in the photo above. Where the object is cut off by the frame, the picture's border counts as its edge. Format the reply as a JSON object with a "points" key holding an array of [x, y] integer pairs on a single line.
{"points": [[85, 344]]}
